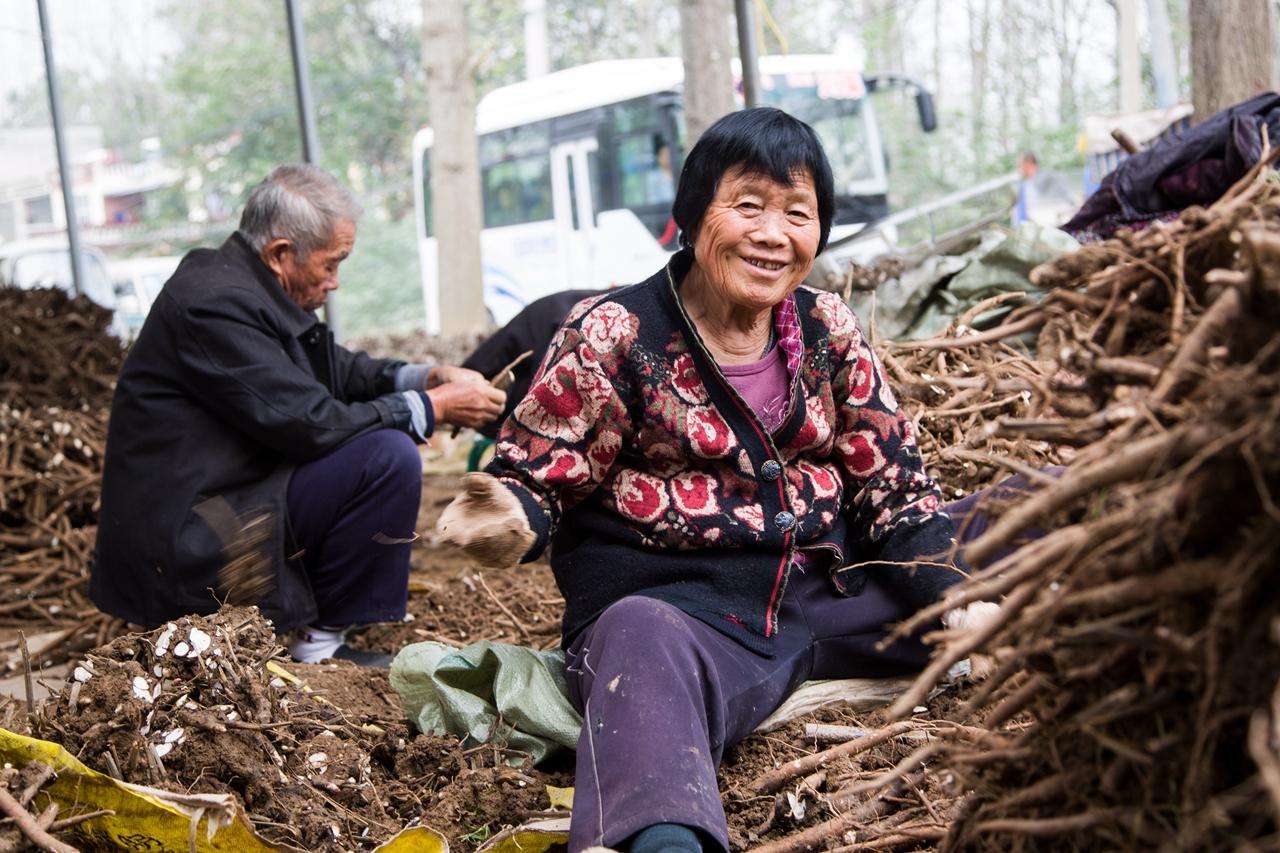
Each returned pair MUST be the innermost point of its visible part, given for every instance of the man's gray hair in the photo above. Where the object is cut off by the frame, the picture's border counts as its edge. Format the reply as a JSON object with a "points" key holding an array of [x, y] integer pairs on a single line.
{"points": [[301, 203]]}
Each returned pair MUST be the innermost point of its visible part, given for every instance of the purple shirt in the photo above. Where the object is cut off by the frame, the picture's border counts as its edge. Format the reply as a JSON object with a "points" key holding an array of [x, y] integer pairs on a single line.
{"points": [[763, 384]]}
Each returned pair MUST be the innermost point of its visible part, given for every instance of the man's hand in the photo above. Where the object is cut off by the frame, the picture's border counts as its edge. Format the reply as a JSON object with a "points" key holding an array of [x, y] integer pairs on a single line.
{"points": [[487, 522], [466, 403], [443, 374]]}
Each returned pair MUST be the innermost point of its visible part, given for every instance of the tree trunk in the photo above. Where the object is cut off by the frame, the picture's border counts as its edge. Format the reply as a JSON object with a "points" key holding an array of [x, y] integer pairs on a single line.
{"points": [[1164, 70], [1230, 52], [1062, 13], [708, 76], [979, 64], [1127, 56], [455, 165]]}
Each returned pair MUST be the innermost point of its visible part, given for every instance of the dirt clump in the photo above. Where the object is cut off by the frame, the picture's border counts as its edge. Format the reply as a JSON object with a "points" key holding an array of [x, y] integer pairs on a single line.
{"points": [[321, 756]]}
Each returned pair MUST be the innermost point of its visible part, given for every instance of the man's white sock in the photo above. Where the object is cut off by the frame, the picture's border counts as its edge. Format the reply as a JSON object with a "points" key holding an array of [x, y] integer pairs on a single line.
{"points": [[313, 644]]}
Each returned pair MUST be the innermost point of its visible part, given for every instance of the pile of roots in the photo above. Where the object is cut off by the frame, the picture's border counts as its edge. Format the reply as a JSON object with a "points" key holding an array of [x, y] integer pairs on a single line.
{"points": [[1134, 699], [320, 757], [58, 366]]}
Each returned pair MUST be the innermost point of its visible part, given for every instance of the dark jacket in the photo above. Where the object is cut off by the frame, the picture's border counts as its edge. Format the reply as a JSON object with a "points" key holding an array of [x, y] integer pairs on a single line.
{"points": [[229, 386], [530, 330], [636, 460], [1194, 167]]}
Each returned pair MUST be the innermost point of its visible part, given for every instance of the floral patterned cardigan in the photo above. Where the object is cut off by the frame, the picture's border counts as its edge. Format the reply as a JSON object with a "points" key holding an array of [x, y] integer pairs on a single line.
{"points": [[648, 474]]}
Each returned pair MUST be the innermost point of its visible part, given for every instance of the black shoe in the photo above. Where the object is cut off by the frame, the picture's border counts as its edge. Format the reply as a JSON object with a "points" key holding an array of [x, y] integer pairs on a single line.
{"points": [[360, 657]]}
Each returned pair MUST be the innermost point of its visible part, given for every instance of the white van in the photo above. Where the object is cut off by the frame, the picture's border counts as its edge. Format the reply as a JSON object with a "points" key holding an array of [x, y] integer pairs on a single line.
{"points": [[46, 262], [137, 284]]}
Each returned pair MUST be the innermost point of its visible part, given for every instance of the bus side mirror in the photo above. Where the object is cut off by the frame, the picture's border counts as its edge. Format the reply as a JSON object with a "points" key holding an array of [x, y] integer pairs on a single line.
{"points": [[924, 106]]}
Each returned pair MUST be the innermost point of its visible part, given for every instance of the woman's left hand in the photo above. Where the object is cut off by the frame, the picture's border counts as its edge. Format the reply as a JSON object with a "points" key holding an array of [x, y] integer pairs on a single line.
{"points": [[487, 522]]}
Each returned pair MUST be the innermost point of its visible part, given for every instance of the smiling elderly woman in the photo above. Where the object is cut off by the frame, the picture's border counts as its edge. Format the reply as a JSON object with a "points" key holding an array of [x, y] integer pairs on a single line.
{"points": [[728, 487]]}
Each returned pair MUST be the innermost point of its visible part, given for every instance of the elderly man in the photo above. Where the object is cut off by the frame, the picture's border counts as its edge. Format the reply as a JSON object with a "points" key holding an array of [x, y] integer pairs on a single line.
{"points": [[240, 429]]}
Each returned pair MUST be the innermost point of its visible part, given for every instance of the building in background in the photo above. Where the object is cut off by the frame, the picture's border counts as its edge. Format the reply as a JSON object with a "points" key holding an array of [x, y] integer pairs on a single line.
{"points": [[109, 192]]}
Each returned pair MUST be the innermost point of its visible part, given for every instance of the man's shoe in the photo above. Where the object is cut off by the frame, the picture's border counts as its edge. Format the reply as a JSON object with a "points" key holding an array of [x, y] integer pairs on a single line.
{"points": [[360, 657]]}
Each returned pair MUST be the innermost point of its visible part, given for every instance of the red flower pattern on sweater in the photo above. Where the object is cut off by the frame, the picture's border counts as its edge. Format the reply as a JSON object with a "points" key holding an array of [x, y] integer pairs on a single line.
{"points": [[637, 424]]}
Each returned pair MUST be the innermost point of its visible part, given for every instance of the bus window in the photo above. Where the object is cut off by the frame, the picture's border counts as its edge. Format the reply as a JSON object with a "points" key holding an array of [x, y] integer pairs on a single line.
{"points": [[836, 117], [515, 175], [643, 163], [644, 166], [843, 132], [517, 191]]}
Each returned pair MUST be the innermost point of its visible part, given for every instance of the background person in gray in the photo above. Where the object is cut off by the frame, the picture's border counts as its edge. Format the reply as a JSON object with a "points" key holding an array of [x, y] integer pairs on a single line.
{"points": [[236, 404]]}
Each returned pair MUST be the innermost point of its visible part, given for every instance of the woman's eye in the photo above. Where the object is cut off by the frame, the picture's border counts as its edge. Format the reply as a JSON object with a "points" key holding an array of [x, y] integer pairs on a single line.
{"points": [[799, 215], [748, 205]]}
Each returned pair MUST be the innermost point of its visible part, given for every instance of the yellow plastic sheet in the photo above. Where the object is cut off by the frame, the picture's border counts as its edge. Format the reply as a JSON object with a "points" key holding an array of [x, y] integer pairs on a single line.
{"points": [[561, 798], [535, 836], [158, 821]]}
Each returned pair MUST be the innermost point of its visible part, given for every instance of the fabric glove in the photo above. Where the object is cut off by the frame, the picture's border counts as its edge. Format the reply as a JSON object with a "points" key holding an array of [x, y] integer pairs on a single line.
{"points": [[487, 522], [971, 617], [974, 616]]}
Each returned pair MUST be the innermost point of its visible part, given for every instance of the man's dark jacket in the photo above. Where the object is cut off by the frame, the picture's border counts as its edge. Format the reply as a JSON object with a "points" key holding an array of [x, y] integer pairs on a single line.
{"points": [[228, 388]]}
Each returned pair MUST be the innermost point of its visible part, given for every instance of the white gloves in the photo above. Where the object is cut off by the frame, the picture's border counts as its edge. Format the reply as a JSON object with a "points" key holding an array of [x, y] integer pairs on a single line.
{"points": [[974, 615], [487, 522]]}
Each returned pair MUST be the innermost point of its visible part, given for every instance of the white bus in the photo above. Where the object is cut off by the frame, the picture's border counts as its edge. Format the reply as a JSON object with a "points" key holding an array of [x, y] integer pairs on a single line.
{"points": [[578, 171]]}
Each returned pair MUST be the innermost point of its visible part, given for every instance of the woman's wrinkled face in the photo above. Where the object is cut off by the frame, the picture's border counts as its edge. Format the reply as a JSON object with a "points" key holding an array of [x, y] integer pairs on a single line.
{"points": [[758, 238]]}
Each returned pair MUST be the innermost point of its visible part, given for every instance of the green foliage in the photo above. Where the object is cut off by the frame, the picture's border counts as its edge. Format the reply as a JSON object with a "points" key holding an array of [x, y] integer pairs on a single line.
{"points": [[380, 291], [231, 99], [222, 100]]}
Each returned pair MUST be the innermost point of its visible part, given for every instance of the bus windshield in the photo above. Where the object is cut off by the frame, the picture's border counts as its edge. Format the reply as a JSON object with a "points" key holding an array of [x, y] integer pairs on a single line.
{"points": [[833, 104]]}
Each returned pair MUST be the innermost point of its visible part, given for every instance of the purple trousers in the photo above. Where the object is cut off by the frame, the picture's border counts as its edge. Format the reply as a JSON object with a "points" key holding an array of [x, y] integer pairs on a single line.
{"points": [[352, 514], [662, 695]]}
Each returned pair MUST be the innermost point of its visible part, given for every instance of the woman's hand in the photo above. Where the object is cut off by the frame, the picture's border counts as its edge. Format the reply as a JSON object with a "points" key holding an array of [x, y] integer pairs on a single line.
{"points": [[487, 522], [467, 403], [974, 617]]}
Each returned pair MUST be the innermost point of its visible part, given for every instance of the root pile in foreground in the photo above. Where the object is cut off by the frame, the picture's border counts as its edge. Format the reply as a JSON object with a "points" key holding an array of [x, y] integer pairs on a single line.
{"points": [[1134, 700]]}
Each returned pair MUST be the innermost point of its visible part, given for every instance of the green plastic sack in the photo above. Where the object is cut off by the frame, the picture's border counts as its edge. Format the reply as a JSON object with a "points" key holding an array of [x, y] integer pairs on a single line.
{"points": [[486, 692], [1002, 263], [924, 300]]}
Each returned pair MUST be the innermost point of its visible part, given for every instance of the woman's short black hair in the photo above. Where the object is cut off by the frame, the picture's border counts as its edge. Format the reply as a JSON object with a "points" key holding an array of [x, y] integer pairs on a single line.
{"points": [[760, 140]]}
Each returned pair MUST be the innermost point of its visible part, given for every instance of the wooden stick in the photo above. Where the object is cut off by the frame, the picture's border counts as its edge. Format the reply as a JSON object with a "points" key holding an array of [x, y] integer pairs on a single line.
{"points": [[998, 333], [848, 796], [42, 776], [1007, 573], [775, 779], [1133, 459], [1014, 702], [1194, 349], [1051, 825], [68, 822], [823, 733], [29, 826], [911, 836], [524, 632], [817, 837], [26, 672]]}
